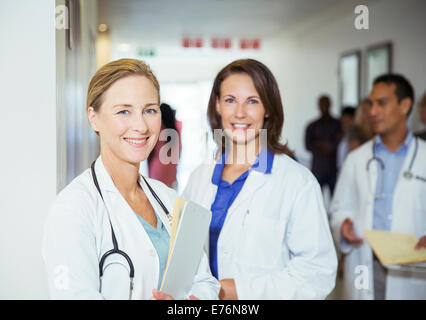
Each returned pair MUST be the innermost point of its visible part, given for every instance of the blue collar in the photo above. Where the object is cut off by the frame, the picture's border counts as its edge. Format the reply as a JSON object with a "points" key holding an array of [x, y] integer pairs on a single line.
{"points": [[263, 164], [379, 143]]}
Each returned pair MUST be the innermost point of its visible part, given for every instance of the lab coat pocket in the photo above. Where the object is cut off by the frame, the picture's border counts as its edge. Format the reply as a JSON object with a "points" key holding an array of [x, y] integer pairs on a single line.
{"points": [[262, 241]]}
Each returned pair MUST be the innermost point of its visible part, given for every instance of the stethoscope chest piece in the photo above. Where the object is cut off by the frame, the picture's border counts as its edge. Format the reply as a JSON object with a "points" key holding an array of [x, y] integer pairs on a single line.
{"points": [[408, 175]]}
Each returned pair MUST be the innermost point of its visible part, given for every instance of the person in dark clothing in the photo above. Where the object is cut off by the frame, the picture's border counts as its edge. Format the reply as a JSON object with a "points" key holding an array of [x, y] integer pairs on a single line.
{"points": [[322, 138]]}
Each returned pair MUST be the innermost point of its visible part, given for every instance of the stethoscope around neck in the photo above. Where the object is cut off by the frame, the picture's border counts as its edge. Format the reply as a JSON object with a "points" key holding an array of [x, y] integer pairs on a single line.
{"points": [[115, 249], [408, 174]]}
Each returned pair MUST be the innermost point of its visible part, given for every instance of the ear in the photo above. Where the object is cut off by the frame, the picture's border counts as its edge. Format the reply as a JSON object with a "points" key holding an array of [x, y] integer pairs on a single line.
{"points": [[405, 105], [93, 117]]}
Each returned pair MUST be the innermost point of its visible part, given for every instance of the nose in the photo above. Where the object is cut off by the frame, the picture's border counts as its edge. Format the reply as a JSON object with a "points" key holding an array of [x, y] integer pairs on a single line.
{"points": [[139, 123], [373, 109], [240, 111]]}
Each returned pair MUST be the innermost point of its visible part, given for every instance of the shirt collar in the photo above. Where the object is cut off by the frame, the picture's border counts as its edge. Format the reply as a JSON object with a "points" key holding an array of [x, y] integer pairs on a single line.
{"points": [[263, 164], [379, 143]]}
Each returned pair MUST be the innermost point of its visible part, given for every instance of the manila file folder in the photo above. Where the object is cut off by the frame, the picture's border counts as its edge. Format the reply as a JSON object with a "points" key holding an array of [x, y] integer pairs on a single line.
{"points": [[394, 248], [190, 226]]}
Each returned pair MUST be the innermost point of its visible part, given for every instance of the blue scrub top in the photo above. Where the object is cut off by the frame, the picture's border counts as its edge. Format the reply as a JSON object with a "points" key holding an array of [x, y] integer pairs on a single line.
{"points": [[160, 238], [225, 196]]}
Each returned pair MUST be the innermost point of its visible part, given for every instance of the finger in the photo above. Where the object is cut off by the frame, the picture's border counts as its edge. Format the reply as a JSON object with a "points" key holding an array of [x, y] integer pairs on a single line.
{"points": [[354, 239], [420, 244], [159, 295], [193, 298]]}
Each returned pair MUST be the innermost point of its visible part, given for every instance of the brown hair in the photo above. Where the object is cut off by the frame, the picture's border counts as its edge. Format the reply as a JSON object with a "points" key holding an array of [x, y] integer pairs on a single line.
{"points": [[269, 94], [112, 72]]}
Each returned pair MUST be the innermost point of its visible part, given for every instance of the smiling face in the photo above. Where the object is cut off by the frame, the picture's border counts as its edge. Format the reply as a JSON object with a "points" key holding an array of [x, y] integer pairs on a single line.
{"points": [[241, 110], [128, 120]]}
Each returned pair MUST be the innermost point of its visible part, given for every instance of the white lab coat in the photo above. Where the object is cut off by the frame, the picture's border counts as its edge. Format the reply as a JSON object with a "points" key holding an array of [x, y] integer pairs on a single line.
{"points": [[354, 198], [78, 233], [275, 242]]}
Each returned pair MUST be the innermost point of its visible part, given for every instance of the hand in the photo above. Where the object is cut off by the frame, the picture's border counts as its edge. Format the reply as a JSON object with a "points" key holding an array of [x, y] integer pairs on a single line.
{"points": [[228, 290], [159, 295], [192, 298], [348, 232], [421, 243]]}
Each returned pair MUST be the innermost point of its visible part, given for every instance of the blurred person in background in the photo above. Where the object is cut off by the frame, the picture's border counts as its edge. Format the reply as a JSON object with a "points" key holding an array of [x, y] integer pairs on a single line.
{"points": [[163, 160], [347, 120], [422, 112], [363, 119], [362, 131], [322, 138]]}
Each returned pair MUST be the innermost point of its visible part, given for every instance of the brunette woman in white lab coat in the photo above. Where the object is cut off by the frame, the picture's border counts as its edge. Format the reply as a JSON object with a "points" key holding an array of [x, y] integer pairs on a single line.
{"points": [[111, 206], [269, 236]]}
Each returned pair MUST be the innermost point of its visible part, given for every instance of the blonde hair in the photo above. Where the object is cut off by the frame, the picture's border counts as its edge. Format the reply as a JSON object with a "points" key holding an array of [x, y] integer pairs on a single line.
{"points": [[112, 72]]}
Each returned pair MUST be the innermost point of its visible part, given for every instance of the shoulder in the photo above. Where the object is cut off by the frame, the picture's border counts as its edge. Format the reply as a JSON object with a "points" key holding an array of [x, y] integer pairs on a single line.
{"points": [[312, 124], [286, 168], [361, 152], [77, 191], [203, 170], [76, 201]]}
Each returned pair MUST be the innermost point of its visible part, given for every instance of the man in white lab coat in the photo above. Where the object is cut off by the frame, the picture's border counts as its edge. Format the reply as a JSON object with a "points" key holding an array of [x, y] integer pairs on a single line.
{"points": [[382, 185]]}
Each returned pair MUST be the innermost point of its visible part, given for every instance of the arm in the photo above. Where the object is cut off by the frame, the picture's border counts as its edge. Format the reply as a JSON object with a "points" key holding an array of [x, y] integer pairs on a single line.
{"points": [[69, 251], [343, 206], [311, 271], [310, 139]]}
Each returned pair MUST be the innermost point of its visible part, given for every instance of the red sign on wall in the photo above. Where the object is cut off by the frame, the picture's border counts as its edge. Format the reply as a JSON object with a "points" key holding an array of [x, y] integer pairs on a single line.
{"points": [[192, 42], [221, 43], [249, 44]]}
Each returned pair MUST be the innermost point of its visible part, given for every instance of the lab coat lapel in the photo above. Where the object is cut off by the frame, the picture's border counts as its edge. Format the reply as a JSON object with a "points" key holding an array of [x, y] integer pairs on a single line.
{"points": [[156, 206], [372, 170], [254, 182], [399, 212]]}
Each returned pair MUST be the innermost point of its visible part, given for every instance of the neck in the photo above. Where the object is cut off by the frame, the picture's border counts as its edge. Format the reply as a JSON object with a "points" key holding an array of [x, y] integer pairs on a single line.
{"points": [[125, 175], [393, 140], [244, 154]]}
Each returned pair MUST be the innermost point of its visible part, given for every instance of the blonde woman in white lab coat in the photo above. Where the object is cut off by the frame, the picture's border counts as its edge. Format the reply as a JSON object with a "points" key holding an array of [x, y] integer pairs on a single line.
{"points": [[269, 237], [128, 212]]}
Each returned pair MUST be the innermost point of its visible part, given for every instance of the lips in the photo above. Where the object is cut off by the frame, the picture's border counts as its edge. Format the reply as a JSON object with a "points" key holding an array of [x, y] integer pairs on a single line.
{"points": [[137, 142]]}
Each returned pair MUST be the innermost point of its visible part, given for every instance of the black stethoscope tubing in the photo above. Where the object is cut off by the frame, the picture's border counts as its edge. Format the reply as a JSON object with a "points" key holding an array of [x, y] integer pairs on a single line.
{"points": [[115, 249]]}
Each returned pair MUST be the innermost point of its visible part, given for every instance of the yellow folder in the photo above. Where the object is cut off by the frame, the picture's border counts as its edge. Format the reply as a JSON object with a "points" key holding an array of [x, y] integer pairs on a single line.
{"points": [[395, 248]]}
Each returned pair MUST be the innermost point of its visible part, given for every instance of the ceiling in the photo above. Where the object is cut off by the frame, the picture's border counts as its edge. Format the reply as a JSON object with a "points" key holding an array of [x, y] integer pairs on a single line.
{"points": [[157, 21]]}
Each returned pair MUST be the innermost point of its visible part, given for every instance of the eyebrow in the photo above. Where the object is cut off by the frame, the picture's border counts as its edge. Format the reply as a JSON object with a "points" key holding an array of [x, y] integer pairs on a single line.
{"points": [[251, 97], [382, 99], [126, 105]]}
